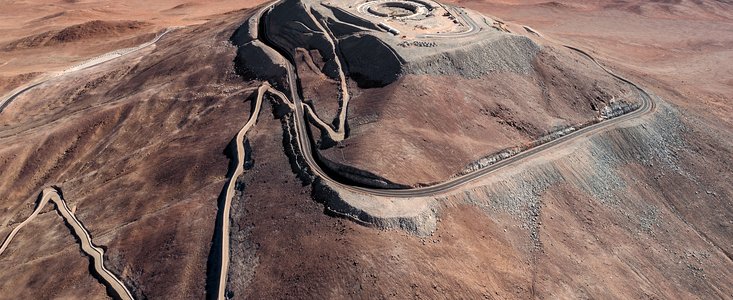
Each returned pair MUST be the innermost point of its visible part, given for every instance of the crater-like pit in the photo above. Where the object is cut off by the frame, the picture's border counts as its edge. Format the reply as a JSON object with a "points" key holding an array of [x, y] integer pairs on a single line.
{"points": [[398, 9], [393, 9]]}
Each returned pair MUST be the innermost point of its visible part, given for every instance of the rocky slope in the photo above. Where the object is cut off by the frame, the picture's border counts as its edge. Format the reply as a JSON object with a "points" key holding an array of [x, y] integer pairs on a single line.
{"points": [[400, 131], [619, 214], [421, 115], [139, 145], [639, 211], [86, 31]]}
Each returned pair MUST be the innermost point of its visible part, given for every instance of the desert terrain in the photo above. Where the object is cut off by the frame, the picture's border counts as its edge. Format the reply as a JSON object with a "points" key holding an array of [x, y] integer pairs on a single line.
{"points": [[46, 36], [249, 150]]}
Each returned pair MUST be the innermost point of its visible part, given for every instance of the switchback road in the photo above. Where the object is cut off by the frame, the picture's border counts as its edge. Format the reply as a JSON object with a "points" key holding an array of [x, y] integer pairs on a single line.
{"points": [[231, 183], [96, 253], [304, 141]]}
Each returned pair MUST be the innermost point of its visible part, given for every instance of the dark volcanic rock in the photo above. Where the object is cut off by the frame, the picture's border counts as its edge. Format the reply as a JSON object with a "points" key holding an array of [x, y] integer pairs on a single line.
{"points": [[370, 62], [253, 63]]}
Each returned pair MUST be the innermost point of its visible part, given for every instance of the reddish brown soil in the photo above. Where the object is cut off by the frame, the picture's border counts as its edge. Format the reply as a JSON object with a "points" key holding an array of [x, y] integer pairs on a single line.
{"points": [[682, 45], [60, 269], [302, 253], [96, 29], [8, 83], [103, 26], [125, 142], [423, 129], [137, 146], [318, 89], [653, 241]]}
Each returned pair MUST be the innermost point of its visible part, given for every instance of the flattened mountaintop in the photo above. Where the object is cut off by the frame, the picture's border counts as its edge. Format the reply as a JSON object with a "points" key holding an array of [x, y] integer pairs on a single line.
{"points": [[434, 91]]}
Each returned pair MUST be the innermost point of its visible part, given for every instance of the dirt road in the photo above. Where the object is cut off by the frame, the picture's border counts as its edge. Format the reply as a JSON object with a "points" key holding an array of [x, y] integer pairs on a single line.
{"points": [[231, 183], [647, 106], [96, 253]]}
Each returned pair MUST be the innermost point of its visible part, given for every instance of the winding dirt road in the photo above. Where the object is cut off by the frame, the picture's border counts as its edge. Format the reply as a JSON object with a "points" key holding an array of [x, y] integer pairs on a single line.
{"points": [[96, 253], [5, 101], [238, 171], [647, 105], [473, 27], [239, 141], [340, 133], [304, 141]]}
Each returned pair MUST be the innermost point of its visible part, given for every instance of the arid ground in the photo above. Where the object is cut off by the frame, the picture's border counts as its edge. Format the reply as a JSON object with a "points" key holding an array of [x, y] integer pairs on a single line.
{"points": [[141, 147]]}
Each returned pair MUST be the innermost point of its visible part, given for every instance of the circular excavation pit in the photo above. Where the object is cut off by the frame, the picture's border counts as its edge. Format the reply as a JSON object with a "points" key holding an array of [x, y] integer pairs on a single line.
{"points": [[393, 9], [396, 9]]}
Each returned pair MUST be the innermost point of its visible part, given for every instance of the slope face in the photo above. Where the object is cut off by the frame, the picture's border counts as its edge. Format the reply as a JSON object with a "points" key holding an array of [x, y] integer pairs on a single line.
{"points": [[138, 147], [640, 209], [79, 30], [86, 31], [427, 94], [620, 213]]}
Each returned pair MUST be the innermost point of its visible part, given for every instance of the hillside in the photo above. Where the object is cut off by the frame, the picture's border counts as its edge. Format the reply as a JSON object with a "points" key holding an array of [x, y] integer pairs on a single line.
{"points": [[125, 143], [343, 152]]}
